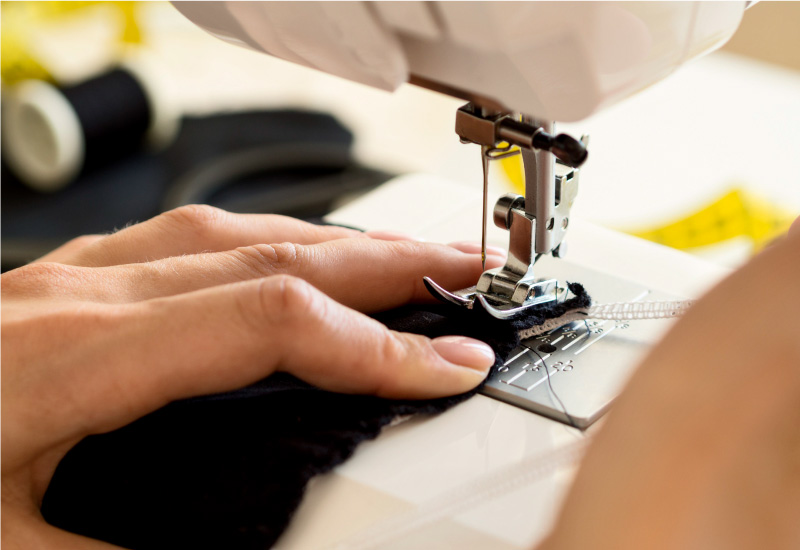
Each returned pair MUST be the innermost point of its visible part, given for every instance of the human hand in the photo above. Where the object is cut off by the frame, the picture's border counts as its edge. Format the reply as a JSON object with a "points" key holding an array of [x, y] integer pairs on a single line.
{"points": [[107, 329], [702, 449]]}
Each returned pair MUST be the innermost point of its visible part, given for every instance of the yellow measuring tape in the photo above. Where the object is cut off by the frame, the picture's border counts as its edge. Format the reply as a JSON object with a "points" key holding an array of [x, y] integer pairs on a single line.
{"points": [[19, 18], [737, 213]]}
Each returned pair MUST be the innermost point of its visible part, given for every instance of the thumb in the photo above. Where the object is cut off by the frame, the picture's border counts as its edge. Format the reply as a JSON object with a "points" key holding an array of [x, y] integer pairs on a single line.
{"points": [[225, 337]]}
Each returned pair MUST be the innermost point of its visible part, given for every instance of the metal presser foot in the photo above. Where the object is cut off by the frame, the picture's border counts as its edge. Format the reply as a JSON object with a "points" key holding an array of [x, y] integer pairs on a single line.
{"points": [[536, 222], [542, 292], [570, 374]]}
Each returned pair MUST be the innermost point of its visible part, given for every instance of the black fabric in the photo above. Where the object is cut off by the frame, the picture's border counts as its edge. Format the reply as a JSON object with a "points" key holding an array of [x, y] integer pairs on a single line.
{"points": [[136, 187], [114, 114], [227, 471]]}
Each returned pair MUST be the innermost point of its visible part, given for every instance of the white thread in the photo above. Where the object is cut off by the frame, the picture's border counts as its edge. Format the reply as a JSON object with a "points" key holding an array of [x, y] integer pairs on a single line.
{"points": [[468, 495], [617, 311]]}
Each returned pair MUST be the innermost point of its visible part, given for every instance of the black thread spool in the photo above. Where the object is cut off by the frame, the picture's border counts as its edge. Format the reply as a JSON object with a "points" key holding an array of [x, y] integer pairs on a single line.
{"points": [[52, 135]]}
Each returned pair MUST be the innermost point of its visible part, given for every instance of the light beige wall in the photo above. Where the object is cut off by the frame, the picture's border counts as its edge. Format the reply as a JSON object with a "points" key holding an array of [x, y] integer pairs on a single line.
{"points": [[770, 31]]}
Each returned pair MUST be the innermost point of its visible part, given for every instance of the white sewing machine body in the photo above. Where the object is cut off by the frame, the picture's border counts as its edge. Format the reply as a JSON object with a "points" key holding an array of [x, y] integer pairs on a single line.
{"points": [[513, 62], [552, 60]]}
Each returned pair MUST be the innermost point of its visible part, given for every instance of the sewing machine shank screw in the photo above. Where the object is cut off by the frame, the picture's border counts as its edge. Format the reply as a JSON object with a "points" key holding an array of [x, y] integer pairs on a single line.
{"points": [[503, 207]]}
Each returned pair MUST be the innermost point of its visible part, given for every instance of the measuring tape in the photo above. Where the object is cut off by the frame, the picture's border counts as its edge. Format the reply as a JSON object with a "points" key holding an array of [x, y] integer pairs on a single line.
{"points": [[18, 61], [737, 213]]}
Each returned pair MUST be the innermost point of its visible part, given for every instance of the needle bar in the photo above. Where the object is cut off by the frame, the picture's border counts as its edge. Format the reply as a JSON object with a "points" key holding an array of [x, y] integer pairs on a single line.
{"points": [[485, 165]]}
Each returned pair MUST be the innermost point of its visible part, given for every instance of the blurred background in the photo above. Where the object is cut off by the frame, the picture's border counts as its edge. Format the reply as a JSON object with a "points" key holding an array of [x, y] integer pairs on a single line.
{"points": [[707, 161]]}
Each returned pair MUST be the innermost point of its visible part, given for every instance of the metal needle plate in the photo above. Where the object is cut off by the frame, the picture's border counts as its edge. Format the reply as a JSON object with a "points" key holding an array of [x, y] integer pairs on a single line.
{"points": [[587, 362]]}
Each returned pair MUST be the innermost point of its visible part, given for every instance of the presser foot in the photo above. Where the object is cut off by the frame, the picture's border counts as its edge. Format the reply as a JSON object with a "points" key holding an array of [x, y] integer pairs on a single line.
{"points": [[499, 307]]}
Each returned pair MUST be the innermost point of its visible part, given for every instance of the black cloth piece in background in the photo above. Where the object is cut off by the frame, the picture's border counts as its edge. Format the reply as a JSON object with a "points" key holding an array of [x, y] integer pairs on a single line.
{"points": [[228, 470], [134, 188]]}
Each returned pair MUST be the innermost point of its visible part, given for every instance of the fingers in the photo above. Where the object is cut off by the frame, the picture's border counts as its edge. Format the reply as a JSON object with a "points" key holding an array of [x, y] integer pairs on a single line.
{"points": [[391, 235], [365, 274], [66, 251], [475, 248], [201, 228], [225, 337]]}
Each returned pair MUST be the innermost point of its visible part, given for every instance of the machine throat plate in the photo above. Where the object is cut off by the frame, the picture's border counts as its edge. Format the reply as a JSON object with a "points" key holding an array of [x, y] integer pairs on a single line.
{"points": [[573, 373]]}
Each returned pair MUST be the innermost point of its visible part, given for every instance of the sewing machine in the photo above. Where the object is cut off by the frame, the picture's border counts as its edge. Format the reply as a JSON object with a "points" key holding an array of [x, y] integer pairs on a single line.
{"points": [[519, 66], [555, 60]]}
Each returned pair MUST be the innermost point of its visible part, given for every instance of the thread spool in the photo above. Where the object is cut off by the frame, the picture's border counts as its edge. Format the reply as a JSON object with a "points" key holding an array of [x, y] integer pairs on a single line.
{"points": [[51, 135]]}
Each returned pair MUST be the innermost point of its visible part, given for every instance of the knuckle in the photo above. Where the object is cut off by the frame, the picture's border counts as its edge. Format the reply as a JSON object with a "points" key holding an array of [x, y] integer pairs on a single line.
{"points": [[407, 253], [269, 259], [83, 241], [393, 354], [392, 350], [407, 250], [292, 295], [283, 301], [299, 305], [197, 218], [287, 256]]}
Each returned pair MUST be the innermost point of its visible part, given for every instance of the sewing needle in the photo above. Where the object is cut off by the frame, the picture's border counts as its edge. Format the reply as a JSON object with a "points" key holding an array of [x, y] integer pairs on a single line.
{"points": [[485, 165]]}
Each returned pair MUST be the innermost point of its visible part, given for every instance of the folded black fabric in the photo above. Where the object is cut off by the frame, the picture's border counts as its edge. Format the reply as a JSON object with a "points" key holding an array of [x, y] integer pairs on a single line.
{"points": [[290, 162], [228, 470]]}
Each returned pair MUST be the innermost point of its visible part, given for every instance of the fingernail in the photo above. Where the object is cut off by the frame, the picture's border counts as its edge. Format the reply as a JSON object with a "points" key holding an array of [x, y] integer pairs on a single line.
{"points": [[464, 351], [470, 247]]}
